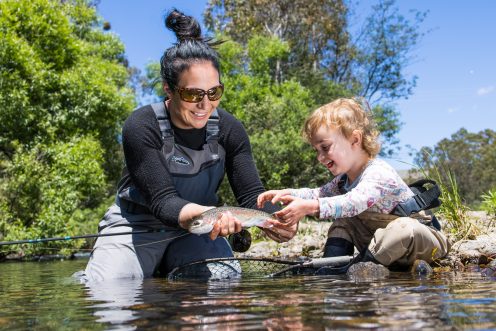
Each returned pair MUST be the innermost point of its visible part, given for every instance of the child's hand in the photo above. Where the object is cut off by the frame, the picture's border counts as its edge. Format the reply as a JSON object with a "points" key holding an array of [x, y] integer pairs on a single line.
{"points": [[281, 232], [273, 196], [296, 209]]}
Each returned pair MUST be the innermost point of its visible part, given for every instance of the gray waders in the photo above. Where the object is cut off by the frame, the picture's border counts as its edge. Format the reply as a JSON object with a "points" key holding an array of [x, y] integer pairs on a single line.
{"points": [[197, 175]]}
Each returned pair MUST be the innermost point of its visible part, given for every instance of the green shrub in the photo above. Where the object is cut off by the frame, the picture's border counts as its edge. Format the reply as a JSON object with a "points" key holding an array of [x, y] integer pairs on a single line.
{"points": [[489, 202], [52, 191]]}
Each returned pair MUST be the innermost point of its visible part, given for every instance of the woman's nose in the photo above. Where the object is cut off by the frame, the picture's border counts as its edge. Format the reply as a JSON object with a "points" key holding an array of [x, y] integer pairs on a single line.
{"points": [[203, 103]]}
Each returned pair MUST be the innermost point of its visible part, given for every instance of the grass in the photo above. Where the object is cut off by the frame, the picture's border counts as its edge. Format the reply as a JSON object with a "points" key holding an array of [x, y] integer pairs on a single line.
{"points": [[453, 210], [489, 202]]}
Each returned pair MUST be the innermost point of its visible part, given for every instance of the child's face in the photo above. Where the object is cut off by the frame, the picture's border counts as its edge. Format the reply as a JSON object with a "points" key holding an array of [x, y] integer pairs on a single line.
{"points": [[334, 150]]}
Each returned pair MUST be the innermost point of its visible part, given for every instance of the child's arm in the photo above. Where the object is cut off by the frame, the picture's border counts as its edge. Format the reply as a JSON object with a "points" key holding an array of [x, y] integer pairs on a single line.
{"points": [[376, 192]]}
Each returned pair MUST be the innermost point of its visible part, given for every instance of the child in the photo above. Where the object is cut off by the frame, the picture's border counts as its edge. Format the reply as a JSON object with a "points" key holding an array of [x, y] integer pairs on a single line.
{"points": [[363, 193]]}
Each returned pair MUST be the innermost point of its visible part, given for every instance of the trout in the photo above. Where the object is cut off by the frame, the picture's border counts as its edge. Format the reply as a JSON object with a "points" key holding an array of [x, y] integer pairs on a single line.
{"points": [[204, 222]]}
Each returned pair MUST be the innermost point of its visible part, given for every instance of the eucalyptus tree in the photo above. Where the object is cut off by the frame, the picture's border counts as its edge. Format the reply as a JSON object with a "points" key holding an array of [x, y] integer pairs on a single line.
{"points": [[470, 157], [328, 43]]}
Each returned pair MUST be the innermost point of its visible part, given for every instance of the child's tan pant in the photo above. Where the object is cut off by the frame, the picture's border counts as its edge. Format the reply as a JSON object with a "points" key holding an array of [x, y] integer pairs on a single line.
{"points": [[392, 239]]}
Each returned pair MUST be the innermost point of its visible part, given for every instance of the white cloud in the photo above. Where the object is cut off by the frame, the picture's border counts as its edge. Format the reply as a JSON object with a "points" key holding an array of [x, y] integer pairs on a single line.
{"points": [[451, 110], [485, 90]]}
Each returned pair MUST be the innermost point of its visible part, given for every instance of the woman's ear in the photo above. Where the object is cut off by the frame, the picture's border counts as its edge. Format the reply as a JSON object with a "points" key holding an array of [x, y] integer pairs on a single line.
{"points": [[167, 91]]}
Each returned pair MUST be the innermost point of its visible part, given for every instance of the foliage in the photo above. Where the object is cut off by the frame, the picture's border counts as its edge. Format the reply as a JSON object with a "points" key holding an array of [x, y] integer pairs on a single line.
{"points": [[489, 202], [52, 189], [453, 209], [471, 157], [271, 111], [384, 47], [60, 76], [64, 95], [369, 61]]}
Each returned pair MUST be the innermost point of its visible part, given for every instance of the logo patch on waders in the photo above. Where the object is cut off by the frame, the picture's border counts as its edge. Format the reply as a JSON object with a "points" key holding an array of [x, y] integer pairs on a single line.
{"points": [[180, 160]]}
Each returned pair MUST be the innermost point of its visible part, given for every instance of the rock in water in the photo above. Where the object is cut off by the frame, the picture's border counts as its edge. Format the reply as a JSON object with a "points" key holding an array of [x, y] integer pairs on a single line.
{"points": [[366, 271], [421, 268], [490, 269]]}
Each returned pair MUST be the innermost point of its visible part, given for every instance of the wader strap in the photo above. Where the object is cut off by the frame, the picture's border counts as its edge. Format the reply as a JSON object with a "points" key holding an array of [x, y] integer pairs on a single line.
{"points": [[213, 132], [168, 133], [163, 120], [166, 129], [213, 126], [342, 183], [423, 199]]}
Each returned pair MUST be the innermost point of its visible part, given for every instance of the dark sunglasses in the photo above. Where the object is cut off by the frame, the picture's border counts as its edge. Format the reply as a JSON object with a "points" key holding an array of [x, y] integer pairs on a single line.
{"points": [[195, 95]]}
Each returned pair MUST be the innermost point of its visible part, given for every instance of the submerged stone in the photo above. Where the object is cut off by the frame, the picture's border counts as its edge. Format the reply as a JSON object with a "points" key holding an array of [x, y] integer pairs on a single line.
{"points": [[490, 269], [366, 271], [421, 268]]}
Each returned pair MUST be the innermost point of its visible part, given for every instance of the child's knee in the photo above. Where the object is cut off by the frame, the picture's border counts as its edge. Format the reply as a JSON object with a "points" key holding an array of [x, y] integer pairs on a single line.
{"points": [[404, 227]]}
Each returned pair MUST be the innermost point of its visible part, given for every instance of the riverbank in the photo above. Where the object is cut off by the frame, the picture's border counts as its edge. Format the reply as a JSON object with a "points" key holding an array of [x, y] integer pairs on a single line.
{"points": [[465, 253], [311, 237]]}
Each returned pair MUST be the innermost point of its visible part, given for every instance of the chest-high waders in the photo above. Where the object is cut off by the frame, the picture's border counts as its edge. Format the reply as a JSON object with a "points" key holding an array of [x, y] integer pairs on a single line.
{"points": [[197, 175]]}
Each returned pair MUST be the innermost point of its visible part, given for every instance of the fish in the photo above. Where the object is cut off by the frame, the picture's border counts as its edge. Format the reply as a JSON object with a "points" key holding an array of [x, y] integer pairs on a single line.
{"points": [[204, 223]]}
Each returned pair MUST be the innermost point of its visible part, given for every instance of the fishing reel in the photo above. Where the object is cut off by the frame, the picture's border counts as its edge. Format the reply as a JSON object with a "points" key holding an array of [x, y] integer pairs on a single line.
{"points": [[240, 242]]}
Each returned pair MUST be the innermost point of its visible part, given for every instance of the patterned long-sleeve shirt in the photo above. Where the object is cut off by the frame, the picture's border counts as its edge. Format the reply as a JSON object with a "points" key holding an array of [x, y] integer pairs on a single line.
{"points": [[378, 189]]}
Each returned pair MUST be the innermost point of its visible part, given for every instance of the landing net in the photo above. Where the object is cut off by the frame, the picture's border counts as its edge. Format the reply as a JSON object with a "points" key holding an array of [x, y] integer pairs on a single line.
{"points": [[248, 267]]}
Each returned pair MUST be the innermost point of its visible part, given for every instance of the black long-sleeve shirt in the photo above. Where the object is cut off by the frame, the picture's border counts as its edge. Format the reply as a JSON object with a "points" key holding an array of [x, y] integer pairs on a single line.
{"points": [[146, 164]]}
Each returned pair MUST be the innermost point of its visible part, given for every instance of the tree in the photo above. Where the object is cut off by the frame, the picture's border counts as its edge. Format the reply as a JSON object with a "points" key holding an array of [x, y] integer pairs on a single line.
{"points": [[471, 157], [60, 75], [272, 111], [370, 63], [64, 95]]}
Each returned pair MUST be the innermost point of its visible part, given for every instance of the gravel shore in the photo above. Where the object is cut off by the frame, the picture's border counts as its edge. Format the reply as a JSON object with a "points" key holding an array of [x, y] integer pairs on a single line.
{"points": [[312, 235]]}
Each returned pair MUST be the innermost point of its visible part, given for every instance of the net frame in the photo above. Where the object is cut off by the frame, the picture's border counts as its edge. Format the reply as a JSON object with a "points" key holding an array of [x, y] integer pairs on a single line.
{"points": [[253, 267]]}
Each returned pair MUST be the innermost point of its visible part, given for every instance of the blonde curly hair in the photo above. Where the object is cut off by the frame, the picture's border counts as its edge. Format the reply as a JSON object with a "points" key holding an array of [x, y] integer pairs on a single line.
{"points": [[346, 115]]}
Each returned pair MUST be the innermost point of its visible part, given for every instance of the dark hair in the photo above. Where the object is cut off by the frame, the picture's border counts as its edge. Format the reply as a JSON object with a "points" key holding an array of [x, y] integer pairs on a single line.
{"points": [[190, 48]]}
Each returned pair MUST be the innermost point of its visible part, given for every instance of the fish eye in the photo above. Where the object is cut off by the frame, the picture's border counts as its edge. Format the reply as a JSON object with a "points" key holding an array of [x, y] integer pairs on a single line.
{"points": [[197, 222]]}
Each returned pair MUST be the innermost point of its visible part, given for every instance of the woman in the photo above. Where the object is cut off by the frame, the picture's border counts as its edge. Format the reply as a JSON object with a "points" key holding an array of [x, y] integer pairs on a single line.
{"points": [[176, 154]]}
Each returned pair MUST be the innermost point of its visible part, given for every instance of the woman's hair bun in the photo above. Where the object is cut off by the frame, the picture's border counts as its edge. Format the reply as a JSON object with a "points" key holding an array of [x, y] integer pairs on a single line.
{"points": [[185, 27]]}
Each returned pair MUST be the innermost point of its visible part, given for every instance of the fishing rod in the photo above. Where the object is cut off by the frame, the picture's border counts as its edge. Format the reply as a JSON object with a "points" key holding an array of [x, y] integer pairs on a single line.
{"points": [[84, 236]]}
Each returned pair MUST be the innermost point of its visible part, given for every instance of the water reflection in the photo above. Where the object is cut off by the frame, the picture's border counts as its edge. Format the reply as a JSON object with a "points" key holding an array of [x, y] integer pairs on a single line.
{"points": [[115, 299], [298, 303], [38, 296]]}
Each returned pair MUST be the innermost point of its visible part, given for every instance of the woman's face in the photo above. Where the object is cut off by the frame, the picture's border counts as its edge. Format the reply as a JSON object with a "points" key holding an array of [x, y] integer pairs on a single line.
{"points": [[187, 115]]}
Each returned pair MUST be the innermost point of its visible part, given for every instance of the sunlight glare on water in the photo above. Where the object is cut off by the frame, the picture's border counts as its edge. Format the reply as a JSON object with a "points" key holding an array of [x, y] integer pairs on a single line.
{"points": [[42, 295]]}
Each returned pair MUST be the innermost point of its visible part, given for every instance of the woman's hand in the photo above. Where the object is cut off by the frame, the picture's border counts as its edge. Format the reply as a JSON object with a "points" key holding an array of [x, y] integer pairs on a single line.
{"points": [[273, 196], [296, 209], [225, 225], [281, 232]]}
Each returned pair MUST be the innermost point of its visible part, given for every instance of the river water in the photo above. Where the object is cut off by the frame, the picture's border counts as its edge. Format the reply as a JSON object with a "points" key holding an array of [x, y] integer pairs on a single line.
{"points": [[43, 296]]}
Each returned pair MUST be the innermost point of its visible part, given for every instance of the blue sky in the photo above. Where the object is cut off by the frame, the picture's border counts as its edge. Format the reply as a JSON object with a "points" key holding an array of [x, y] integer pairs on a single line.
{"points": [[455, 62]]}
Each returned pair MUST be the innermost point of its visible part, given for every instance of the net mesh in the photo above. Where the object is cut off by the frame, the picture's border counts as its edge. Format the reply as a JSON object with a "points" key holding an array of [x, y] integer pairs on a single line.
{"points": [[230, 268]]}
